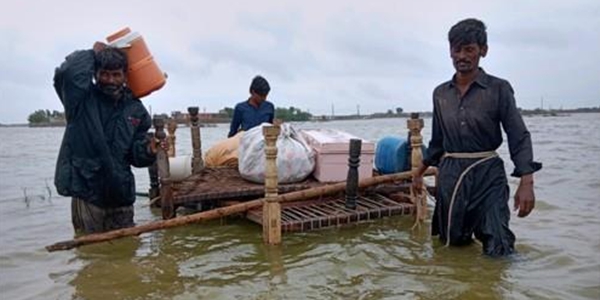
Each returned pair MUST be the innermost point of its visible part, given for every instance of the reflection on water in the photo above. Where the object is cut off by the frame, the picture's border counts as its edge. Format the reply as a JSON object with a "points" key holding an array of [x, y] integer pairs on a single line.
{"points": [[558, 245], [379, 260]]}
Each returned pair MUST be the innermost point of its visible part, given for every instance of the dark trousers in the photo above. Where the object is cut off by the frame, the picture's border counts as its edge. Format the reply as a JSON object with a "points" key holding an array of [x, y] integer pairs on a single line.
{"points": [[88, 218], [480, 207]]}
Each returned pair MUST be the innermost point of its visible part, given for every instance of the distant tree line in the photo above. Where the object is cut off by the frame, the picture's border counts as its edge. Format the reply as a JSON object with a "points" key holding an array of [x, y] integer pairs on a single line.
{"points": [[285, 114], [539, 111], [292, 114], [45, 116]]}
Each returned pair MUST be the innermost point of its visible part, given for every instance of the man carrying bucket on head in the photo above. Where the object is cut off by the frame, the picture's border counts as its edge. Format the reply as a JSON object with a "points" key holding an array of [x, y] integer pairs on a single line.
{"points": [[467, 114], [105, 136]]}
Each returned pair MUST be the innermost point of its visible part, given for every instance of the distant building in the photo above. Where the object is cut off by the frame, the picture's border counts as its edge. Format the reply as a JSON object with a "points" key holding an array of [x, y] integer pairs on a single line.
{"points": [[183, 117]]}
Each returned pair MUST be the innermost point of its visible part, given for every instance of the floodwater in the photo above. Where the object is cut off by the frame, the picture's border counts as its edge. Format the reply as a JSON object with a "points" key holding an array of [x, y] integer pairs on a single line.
{"points": [[558, 244]]}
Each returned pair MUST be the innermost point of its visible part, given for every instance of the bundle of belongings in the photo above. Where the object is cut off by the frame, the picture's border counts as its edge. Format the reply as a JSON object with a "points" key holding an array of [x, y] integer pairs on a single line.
{"points": [[295, 159], [224, 153]]}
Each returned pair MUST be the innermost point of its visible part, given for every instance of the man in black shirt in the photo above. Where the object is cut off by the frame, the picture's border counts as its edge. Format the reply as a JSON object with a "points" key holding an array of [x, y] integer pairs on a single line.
{"points": [[468, 111]]}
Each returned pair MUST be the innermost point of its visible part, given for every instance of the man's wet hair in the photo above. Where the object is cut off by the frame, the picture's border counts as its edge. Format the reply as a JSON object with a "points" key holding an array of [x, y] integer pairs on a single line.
{"points": [[260, 86], [111, 58], [466, 32]]}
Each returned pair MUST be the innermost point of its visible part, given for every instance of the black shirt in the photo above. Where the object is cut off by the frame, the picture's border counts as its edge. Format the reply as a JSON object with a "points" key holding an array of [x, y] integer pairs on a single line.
{"points": [[472, 123]]}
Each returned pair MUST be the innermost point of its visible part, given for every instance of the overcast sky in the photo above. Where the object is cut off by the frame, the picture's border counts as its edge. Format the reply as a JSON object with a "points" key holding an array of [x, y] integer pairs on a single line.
{"points": [[316, 54]]}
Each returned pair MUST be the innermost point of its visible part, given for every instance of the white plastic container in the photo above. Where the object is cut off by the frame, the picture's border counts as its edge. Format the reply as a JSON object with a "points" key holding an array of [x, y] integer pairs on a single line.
{"points": [[180, 167]]}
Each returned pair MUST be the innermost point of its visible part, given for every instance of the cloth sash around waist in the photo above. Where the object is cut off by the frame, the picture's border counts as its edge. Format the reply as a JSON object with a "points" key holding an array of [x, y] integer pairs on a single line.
{"points": [[474, 155]]}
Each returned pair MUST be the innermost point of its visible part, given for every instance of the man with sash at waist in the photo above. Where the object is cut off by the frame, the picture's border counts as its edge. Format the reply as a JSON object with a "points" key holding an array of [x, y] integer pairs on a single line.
{"points": [[468, 111]]}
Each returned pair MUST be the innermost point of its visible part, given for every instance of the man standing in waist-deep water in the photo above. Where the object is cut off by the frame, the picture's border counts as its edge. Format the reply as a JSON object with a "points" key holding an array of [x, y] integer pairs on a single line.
{"points": [[105, 136], [468, 112], [255, 110]]}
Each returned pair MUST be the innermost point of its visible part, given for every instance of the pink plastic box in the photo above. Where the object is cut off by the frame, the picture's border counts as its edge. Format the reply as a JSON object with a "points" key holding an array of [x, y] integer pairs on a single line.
{"points": [[332, 153]]}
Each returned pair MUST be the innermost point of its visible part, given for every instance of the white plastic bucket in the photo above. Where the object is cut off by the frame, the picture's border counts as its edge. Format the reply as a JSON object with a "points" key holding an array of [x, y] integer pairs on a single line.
{"points": [[180, 167]]}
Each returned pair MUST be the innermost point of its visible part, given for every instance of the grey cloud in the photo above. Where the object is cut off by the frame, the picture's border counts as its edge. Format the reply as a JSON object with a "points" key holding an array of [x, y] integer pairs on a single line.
{"points": [[367, 46], [187, 68], [533, 38], [277, 59], [282, 26], [267, 44], [315, 54]]}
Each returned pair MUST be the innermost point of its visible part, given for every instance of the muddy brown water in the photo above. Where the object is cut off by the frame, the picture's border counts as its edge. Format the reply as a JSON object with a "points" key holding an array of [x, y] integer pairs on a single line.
{"points": [[558, 245]]}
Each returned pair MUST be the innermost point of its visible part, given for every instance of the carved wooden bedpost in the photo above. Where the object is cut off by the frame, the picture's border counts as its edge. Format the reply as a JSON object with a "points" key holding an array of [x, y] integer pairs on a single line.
{"points": [[162, 163], [352, 178], [171, 127], [271, 208], [415, 124], [197, 163], [154, 191]]}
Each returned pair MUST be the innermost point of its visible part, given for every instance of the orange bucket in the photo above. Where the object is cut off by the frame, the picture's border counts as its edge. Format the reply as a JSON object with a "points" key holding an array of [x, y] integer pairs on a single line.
{"points": [[144, 76]]}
